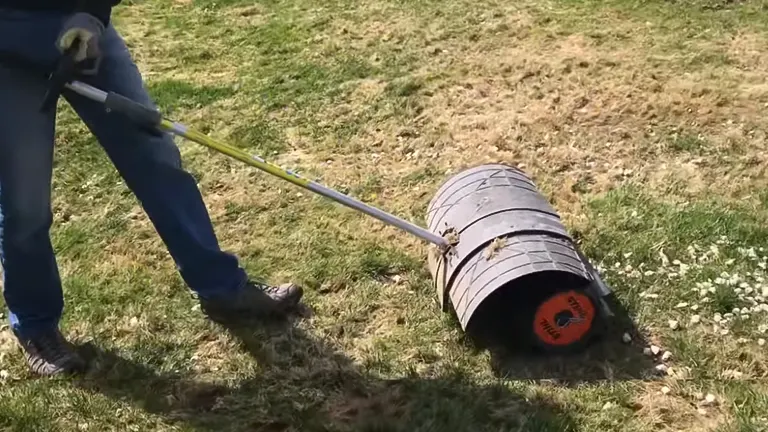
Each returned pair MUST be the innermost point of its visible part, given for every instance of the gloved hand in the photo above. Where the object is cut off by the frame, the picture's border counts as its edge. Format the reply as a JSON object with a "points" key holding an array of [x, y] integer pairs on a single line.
{"points": [[87, 29]]}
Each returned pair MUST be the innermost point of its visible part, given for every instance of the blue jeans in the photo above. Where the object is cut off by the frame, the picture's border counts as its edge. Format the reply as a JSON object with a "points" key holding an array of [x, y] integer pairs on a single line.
{"points": [[150, 165]]}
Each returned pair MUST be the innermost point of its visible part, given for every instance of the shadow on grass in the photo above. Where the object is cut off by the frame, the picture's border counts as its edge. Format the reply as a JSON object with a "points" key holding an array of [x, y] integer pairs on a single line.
{"points": [[304, 384], [606, 358]]}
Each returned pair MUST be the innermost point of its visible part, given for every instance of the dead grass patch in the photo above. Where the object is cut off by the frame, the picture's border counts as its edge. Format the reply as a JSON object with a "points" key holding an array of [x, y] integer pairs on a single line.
{"points": [[677, 410]]}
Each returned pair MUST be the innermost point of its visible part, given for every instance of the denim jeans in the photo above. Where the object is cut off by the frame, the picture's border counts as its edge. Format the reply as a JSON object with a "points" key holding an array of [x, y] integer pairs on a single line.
{"points": [[150, 165]]}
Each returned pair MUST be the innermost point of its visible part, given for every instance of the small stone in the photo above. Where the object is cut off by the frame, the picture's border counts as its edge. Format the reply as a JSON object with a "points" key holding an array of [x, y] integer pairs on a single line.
{"points": [[647, 351], [717, 318], [666, 356], [626, 337], [742, 340], [728, 316], [695, 307], [674, 324], [736, 311], [665, 390], [744, 317], [695, 319], [655, 350], [134, 322], [4, 374], [662, 368], [761, 342], [709, 399], [681, 305], [702, 411]]}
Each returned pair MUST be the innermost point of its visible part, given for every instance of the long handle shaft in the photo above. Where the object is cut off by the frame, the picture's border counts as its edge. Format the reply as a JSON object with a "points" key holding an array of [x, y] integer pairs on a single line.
{"points": [[146, 114]]}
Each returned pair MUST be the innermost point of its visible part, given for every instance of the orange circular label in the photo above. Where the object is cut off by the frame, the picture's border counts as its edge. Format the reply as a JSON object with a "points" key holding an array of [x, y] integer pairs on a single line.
{"points": [[564, 318]]}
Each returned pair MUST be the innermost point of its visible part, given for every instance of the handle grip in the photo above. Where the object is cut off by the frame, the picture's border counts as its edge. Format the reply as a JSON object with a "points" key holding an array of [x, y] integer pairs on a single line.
{"points": [[139, 114], [65, 71]]}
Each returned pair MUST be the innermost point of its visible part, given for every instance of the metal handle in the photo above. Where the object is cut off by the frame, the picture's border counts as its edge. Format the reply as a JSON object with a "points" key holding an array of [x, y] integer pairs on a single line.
{"points": [[147, 116]]}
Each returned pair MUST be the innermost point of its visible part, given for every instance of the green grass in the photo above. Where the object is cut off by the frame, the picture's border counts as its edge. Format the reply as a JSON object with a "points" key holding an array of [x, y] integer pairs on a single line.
{"points": [[642, 121]]}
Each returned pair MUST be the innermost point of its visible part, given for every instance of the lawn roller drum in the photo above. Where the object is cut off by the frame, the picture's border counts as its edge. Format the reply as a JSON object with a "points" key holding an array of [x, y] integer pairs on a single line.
{"points": [[501, 260]]}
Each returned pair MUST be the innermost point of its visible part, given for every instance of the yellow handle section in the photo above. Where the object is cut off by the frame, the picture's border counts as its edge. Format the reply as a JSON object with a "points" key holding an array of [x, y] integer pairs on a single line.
{"points": [[234, 152]]}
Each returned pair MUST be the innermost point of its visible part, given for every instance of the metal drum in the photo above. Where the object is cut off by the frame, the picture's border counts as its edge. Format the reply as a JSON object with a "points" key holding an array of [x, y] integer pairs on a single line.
{"points": [[515, 272]]}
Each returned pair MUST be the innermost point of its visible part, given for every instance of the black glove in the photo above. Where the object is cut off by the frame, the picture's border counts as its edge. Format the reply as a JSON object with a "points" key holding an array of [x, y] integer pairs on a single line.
{"points": [[87, 30]]}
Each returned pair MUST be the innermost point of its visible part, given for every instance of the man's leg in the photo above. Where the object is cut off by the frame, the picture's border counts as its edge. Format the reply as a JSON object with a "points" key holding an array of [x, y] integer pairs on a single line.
{"points": [[151, 167], [31, 284]]}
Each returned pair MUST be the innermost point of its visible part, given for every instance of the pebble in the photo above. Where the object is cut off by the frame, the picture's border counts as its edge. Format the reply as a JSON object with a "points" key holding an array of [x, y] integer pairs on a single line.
{"points": [[665, 390], [695, 319], [666, 356], [682, 305], [4, 374], [744, 316], [134, 322], [655, 350], [736, 311], [695, 307], [647, 351], [761, 342], [627, 338], [709, 399], [717, 317], [662, 368], [673, 324], [742, 340], [702, 411]]}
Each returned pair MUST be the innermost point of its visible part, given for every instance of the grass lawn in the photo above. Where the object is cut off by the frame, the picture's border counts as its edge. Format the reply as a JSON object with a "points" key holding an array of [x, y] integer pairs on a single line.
{"points": [[644, 123]]}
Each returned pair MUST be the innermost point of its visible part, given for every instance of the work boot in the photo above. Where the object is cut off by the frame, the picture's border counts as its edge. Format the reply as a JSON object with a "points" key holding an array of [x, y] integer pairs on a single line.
{"points": [[50, 354], [254, 300]]}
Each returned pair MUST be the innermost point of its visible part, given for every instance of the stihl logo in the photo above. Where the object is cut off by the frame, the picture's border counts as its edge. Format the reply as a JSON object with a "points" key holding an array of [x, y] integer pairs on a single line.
{"points": [[549, 329], [576, 306]]}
